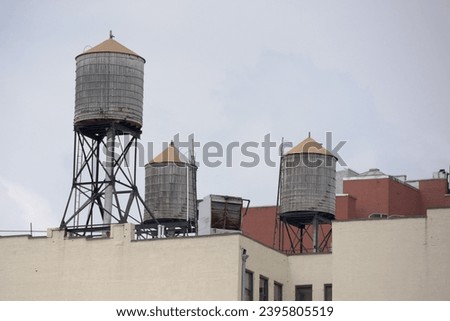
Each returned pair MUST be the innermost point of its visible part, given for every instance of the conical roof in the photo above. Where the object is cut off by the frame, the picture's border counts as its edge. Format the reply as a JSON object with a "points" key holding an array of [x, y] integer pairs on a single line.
{"points": [[170, 155], [309, 146], [110, 45]]}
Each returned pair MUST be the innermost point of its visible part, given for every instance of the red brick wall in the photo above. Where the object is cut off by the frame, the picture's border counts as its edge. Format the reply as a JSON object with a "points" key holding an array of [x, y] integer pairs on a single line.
{"points": [[372, 196], [404, 200], [434, 193], [259, 224], [345, 207], [385, 196]]}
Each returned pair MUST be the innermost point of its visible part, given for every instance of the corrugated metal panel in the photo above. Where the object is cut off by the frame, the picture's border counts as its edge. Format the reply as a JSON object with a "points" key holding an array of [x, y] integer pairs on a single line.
{"points": [[308, 183], [226, 212], [109, 87], [166, 191]]}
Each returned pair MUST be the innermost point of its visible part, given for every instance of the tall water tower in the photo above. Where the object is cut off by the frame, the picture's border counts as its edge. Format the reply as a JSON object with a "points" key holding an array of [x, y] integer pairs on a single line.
{"points": [[306, 198], [107, 126]]}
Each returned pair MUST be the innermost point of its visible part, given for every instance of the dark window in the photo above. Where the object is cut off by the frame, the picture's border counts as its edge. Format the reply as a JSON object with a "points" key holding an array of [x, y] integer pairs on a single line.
{"points": [[263, 288], [303, 292], [277, 291], [248, 290], [328, 292]]}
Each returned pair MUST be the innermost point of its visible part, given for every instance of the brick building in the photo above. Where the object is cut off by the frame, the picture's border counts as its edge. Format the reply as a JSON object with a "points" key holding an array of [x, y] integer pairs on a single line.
{"points": [[369, 195]]}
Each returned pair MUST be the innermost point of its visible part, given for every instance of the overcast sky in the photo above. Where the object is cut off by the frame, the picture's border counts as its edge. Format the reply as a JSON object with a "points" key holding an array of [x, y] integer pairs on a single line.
{"points": [[374, 73]]}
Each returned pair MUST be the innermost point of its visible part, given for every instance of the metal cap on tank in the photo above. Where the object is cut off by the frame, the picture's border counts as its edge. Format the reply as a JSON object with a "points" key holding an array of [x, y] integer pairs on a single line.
{"points": [[308, 182], [309, 146], [170, 155], [109, 87], [170, 187]]}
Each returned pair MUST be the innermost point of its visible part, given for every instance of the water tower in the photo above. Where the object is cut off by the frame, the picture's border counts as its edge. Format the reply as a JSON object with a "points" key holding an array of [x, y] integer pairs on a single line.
{"points": [[107, 126], [306, 198], [170, 195]]}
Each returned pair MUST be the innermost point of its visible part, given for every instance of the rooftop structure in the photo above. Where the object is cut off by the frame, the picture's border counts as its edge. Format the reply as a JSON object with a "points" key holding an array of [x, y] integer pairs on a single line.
{"points": [[306, 197], [171, 192]]}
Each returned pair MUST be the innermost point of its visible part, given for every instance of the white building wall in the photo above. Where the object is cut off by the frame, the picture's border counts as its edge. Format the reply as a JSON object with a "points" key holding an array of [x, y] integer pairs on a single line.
{"points": [[204, 216], [438, 254], [310, 269], [401, 259], [54, 268], [264, 261]]}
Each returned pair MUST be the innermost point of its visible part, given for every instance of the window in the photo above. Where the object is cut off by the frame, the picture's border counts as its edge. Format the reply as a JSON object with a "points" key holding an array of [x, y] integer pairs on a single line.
{"points": [[327, 292], [263, 288], [277, 291], [303, 292], [248, 290]]}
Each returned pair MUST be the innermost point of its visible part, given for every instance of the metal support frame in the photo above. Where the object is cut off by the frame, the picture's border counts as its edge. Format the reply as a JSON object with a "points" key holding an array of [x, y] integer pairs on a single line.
{"points": [[299, 235], [169, 229], [95, 175]]}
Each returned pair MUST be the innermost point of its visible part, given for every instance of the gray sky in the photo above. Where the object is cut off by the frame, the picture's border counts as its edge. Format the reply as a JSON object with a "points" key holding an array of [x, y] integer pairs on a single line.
{"points": [[374, 73]]}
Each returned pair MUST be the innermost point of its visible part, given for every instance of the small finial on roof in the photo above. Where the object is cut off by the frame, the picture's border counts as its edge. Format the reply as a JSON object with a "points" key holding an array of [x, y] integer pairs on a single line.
{"points": [[171, 143], [111, 36], [309, 134]]}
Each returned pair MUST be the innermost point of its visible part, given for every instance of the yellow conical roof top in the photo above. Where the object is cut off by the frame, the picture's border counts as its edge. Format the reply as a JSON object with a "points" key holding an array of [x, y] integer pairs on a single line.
{"points": [[110, 45], [309, 146], [170, 155]]}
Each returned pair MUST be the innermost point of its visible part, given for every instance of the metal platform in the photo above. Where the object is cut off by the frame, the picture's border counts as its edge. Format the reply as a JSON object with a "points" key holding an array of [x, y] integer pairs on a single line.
{"points": [[300, 219]]}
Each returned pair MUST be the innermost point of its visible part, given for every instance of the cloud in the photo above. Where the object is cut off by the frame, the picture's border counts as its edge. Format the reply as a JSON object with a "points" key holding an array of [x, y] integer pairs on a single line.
{"points": [[22, 206]]}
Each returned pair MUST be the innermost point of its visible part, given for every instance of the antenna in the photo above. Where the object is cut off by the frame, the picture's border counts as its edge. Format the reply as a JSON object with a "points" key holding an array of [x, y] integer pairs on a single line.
{"points": [[191, 154], [111, 36]]}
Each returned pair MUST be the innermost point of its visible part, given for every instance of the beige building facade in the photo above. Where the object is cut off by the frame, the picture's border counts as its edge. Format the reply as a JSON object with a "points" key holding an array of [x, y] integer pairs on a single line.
{"points": [[398, 259]]}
